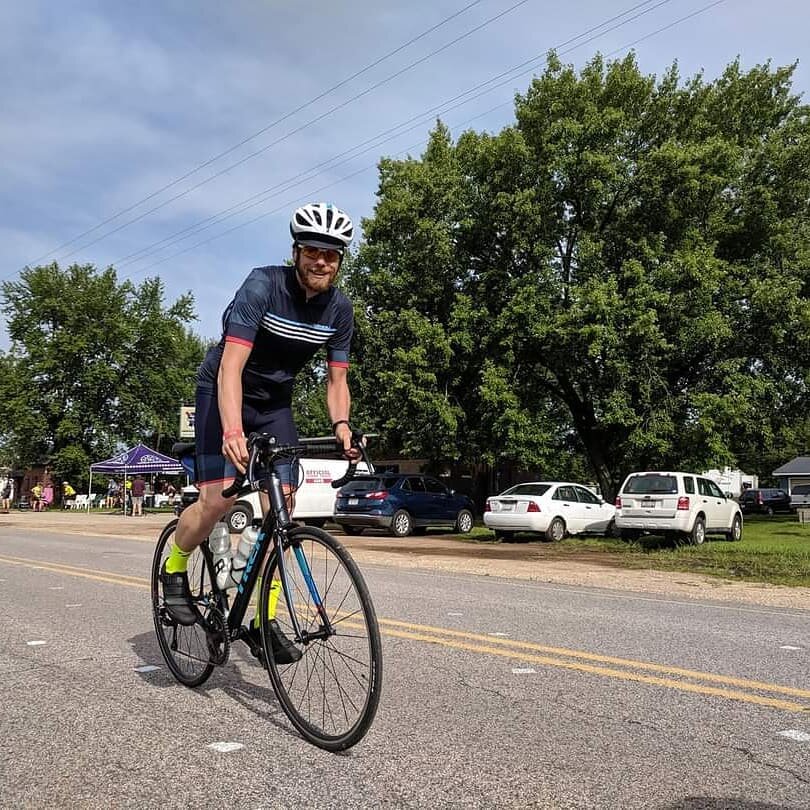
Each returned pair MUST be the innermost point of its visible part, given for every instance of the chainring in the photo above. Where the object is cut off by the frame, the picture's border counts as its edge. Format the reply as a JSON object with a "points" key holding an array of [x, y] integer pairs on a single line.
{"points": [[216, 631]]}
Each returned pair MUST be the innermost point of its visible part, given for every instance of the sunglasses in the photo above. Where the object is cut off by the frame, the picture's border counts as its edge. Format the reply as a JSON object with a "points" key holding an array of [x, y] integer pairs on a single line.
{"points": [[330, 255]]}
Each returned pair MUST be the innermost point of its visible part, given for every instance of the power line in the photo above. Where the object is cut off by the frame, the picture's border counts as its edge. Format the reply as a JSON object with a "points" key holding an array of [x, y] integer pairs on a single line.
{"points": [[262, 130], [367, 168], [295, 131], [256, 199]]}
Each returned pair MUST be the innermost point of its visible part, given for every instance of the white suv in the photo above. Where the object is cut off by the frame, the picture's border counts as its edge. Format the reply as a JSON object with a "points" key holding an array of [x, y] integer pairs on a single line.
{"points": [[675, 503]]}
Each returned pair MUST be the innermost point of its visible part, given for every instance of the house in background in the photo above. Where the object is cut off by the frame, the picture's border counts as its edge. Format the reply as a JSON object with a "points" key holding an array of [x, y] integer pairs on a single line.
{"points": [[793, 473]]}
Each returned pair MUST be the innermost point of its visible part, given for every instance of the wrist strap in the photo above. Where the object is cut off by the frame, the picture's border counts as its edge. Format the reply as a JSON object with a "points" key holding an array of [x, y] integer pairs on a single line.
{"points": [[229, 434], [340, 422]]}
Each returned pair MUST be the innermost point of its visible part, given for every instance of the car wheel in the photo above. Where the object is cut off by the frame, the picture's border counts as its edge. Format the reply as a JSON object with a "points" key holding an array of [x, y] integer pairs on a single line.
{"points": [[464, 521], [698, 534], [352, 531], [556, 530], [611, 530], [631, 535], [505, 537], [769, 511], [318, 523], [401, 524], [735, 533], [239, 517]]}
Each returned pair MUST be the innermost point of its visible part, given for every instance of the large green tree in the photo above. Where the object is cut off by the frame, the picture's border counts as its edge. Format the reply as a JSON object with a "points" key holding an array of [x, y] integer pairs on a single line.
{"points": [[93, 362], [624, 273]]}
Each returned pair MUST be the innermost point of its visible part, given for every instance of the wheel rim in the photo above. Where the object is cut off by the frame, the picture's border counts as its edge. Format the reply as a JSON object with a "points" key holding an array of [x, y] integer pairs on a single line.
{"points": [[737, 530], [239, 521], [557, 529], [331, 693], [700, 533], [402, 524], [465, 522]]}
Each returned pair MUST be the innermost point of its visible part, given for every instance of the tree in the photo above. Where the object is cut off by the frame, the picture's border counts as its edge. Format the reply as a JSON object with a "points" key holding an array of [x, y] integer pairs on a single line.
{"points": [[93, 363], [622, 273]]}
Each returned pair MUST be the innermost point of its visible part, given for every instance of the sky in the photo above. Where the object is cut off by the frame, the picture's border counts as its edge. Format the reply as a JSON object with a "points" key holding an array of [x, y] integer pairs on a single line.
{"points": [[161, 117]]}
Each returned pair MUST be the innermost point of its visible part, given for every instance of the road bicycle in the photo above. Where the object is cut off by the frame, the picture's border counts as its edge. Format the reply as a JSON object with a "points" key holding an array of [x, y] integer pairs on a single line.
{"points": [[332, 692]]}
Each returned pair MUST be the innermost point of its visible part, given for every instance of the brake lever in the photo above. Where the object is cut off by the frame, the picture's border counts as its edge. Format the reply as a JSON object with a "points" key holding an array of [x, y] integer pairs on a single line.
{"points": [[357, 443]]}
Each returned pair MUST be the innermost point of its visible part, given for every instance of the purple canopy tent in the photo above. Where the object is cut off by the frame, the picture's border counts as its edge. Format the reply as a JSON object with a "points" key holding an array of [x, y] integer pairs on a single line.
{"points": [[138, 459]]}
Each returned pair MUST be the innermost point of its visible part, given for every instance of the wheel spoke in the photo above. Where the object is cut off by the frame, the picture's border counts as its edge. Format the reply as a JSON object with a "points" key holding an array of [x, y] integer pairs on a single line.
{"points": [[331, 693]]}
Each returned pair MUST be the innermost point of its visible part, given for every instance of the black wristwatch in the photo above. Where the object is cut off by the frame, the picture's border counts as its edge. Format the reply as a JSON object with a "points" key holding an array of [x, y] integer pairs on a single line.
{"points": [[340, 422]]}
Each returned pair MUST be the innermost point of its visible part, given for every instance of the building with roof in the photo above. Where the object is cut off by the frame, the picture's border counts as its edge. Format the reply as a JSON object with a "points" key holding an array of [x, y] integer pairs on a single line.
{"points": [[795, 472]]}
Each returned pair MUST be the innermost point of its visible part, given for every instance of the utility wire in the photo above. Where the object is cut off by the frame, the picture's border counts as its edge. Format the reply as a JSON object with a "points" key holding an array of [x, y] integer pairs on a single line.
{"points": [[262, 130], [443, 107], [367, 168], [298, 129]]}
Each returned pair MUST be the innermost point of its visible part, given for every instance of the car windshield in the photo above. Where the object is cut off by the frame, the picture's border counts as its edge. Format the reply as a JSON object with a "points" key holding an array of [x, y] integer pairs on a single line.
{"points": [[652, 485], [360, 485], [528, 489], [802, 489]]}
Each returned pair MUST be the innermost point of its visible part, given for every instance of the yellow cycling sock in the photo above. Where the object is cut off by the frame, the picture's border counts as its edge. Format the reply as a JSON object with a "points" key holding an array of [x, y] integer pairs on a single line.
{"points": [[177, 561], [275, 592]]}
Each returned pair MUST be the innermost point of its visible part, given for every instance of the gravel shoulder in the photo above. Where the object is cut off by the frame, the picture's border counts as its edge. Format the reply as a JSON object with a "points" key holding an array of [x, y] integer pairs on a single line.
{"points": [[529, 561]]}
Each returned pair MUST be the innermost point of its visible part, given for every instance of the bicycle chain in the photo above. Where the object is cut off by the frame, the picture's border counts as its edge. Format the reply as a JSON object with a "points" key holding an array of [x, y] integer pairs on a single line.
{"points": [[216, 632]]}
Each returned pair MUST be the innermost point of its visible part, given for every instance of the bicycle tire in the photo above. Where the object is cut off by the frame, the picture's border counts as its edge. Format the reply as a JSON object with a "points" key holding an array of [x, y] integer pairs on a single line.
{"points": [[347, 664], [184, 648]]}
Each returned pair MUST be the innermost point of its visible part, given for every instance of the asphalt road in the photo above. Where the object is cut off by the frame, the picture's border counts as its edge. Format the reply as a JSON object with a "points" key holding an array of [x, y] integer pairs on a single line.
{"points": [[497, 693]]}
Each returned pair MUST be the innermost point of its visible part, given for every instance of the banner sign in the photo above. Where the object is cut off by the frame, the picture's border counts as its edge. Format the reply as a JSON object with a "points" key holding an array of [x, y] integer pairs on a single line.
{"points": [[186, 422]]}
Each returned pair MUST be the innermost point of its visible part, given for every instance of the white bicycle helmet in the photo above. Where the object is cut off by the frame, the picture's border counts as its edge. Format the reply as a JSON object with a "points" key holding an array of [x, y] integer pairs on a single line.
{"points": [[321, 225]]}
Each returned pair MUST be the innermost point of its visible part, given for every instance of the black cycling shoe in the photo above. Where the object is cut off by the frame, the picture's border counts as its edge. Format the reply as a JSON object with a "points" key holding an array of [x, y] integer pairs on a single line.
{"points": [[284, 651], [177, 597]]}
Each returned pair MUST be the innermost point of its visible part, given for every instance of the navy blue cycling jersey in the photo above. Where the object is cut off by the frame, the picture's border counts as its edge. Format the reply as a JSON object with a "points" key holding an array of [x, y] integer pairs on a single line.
{"points": [[271, 314]]}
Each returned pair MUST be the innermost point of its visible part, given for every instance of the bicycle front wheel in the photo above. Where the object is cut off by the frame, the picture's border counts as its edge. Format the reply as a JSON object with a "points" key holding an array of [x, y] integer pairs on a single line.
{"points": [[331, 694]]}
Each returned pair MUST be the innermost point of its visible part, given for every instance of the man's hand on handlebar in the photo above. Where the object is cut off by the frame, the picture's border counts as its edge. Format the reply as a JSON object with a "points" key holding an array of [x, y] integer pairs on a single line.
{"points": [[234, 448], [344, 436]]}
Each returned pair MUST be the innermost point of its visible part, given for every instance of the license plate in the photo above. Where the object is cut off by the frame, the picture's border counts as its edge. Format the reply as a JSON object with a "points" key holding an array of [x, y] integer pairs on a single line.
{"points": [[507, 507], [648, 504], [352, 501]]}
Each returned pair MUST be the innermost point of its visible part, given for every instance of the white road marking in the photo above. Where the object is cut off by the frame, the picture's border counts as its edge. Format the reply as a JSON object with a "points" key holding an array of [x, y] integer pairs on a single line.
{"points": [[36, 643], [499, 635], [226, 747], [795, 734], [455, 614], [57, 588], [75, 604], [146, 668], [789, 647], [523, 671]]}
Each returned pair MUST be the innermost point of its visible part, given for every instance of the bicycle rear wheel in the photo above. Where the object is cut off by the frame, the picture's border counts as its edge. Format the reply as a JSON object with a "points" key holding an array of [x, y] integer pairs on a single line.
{"points": [[185, 648], [331, 694]]}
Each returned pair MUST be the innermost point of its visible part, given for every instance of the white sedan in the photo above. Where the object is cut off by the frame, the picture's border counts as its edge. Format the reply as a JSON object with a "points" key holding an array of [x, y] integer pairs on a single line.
{"points": [[552, 508]]}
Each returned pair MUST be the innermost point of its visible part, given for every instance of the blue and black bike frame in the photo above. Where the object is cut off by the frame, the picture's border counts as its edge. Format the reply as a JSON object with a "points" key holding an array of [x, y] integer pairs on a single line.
{"points": [[277, 531]]}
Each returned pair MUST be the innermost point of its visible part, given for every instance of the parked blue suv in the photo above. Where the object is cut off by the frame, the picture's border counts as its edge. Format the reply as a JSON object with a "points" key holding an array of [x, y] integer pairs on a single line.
{"points": [[402, 504]]}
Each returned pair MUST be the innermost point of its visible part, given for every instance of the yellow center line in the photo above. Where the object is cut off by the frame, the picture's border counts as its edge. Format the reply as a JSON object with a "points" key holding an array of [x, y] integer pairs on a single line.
{"points": [[516, 650], [87, 573], [604, 659], [684, 686]]}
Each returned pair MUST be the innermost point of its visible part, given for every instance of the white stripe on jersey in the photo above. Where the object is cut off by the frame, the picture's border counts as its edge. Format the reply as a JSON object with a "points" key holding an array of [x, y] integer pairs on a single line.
{"points": [[310, 333]]}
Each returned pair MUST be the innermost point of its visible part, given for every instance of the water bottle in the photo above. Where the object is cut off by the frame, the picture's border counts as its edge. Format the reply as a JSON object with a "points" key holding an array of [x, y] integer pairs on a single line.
{"points": [[246, 542], [219, 541]]}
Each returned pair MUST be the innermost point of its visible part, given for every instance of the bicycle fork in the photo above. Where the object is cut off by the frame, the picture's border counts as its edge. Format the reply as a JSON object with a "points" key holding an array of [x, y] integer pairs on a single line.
{"points": [[326, 629]]}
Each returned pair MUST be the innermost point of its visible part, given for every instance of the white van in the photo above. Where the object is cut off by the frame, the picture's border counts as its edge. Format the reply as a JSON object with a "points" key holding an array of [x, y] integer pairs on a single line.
{"points": [[314, 499]]}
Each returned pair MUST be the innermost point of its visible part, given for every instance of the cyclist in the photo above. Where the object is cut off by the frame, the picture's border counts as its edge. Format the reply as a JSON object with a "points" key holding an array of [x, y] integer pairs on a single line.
{"points": [[277, 321]]}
